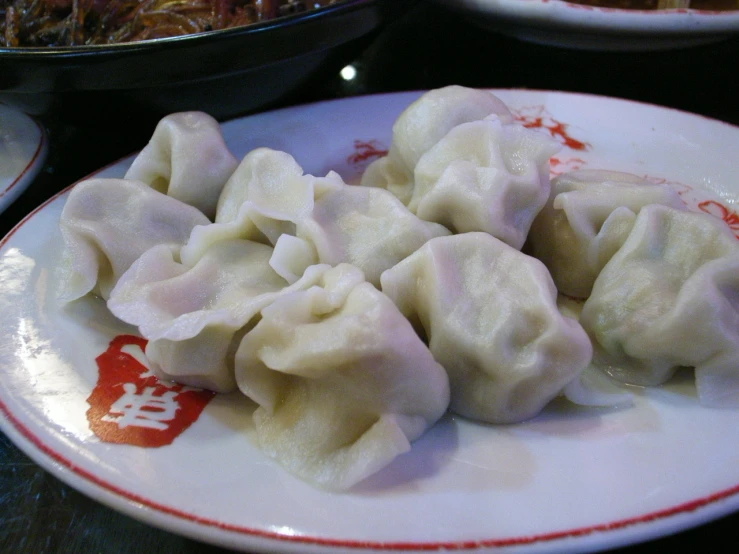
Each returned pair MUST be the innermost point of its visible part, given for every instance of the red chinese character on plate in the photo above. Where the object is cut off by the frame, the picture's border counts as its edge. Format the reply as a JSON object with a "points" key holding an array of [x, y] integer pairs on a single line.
{"points": [[143, 409], [130, 405], [722, 212], [557, 166], [366, 151], [537, 117]]}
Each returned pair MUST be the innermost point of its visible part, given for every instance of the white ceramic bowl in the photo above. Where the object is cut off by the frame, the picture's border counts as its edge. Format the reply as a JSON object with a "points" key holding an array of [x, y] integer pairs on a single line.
{"points": [[564, 24]]}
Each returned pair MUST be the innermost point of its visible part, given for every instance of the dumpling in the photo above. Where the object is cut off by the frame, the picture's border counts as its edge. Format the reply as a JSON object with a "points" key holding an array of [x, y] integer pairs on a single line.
{"points": [[586, 219], [292, 256], [427, 120], [365, 227], [490, 315], [668, 298], [390, 174], [594, 387], [186, 159], [343, 382], [423, 124], [485, 176], [272, 181], [204, 361], [107, 224], [191, 315], [269, 199], [262, 201], [168, 299]]}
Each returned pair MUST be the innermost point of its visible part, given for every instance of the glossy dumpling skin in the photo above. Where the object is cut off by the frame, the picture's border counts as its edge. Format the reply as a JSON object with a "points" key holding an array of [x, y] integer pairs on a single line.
{"points": [[491, 319], [187, 159], [275, 187], [427, 120], [486, 175], [587, 218], [311, 219], [366, 227], [423, 124], [263, 201], [191, 315], [343, 382], [166, 298], [669, 298], [107, 224]]}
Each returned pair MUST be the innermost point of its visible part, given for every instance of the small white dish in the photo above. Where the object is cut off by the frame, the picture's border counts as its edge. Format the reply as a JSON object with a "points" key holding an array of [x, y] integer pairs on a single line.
{"points": [[570, 480], [23, 148], [559, 23]]}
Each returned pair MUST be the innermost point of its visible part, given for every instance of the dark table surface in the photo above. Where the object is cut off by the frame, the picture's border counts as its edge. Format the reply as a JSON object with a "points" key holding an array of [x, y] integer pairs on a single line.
{"points": [[427, 48]]}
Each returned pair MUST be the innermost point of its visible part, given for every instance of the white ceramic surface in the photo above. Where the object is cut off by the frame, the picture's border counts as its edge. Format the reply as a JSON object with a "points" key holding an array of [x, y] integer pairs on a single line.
{"points": [[571, 480], [592, 28], [23, 149]]}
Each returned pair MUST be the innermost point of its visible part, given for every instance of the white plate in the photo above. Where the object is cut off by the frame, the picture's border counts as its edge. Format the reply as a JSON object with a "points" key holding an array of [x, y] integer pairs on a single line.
{"points": [[22, 152], [570, 480], [591, 28]]}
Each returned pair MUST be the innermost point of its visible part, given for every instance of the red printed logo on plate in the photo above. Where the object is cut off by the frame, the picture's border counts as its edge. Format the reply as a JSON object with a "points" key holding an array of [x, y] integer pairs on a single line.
{"points": [[366, 151], [722, 212], [537, 117], [130, 405]]}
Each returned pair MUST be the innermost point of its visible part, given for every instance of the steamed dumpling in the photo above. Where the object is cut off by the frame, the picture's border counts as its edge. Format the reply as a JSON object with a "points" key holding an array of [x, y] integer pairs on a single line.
{"points": [[107, 224], [594, 387], [292, 256], [485, 176], [311, 219], [262, 201], [669, 298], [586, 220], [427, 120], [274, 185], [365, 227], [390, 174], [168, 299], [490, 315], [423, 124], [192, 314], [186, 159], [343, 382]]}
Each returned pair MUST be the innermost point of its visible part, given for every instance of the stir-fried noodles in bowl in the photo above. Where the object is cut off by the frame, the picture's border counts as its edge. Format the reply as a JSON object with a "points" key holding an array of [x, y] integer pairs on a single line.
{"points": [[96, 59], [80, 22]]}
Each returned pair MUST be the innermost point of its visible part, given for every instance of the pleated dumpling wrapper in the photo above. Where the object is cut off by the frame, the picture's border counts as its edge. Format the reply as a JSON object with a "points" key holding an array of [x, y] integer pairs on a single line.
{"points": [[343, 382], [487, 175], [187, 159], [106, 224], [423, 124], [366, 227], [594, 387], [490, 315], [273, 190], [669, 298], [311, 219], [194, 316], [262, 201], [587, 218]]}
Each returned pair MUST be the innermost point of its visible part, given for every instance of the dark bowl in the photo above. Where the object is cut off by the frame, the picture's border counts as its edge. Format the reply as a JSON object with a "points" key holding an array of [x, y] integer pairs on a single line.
{"points": [[225, 73]]}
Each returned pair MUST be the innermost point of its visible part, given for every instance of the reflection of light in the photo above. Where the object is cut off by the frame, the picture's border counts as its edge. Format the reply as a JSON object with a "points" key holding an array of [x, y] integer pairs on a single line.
{"points": [[15, 273], [348, 73], [54, 387], [284, 530]]}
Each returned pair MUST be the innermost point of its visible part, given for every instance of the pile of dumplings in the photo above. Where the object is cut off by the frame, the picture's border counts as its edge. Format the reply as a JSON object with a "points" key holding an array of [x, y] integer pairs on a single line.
{"points": [[355, 316]]}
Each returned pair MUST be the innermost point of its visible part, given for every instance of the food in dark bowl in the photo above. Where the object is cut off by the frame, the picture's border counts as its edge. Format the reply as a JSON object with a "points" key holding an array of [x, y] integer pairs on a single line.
{"points": [[77, 22], [225, 72]]}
